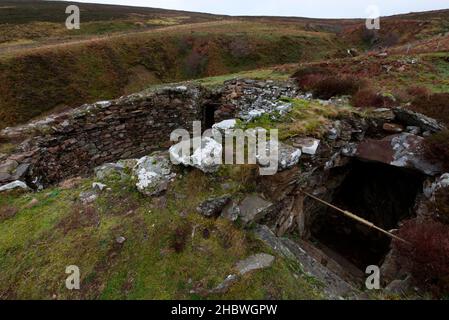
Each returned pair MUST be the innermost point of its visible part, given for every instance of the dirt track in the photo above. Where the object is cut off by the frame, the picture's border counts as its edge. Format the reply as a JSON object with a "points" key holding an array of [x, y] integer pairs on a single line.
{"points": [[6, 50]]}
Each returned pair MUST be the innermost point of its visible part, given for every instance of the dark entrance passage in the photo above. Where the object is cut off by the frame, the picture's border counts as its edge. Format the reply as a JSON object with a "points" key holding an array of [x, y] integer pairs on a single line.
{"points": [[208, 116], [382, 194]]}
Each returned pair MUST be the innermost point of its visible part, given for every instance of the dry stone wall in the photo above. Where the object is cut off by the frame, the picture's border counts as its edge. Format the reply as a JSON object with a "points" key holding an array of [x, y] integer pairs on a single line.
{"points": [[72, 143]]}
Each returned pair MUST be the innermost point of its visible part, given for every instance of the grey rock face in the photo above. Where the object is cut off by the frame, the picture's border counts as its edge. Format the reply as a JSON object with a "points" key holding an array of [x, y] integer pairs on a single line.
{"points": [[205, 156]]}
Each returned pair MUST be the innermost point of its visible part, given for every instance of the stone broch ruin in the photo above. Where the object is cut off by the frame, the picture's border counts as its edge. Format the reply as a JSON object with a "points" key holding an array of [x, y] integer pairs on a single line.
{"points": [[373, 165]]}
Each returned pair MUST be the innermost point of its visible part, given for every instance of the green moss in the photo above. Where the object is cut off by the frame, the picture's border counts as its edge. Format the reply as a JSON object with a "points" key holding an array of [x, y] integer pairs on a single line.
{"points": [[39, 242]]}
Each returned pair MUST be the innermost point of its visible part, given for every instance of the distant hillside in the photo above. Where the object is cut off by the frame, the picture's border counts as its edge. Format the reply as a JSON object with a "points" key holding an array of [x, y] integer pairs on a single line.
{"points": [[36, 80], [122, 49]]}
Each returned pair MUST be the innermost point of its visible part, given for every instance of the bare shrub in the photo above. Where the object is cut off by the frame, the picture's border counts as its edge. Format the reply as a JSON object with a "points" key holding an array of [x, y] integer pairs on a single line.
{"points": [[437, 148], [426, 256], [332, 86], [369, 97]]}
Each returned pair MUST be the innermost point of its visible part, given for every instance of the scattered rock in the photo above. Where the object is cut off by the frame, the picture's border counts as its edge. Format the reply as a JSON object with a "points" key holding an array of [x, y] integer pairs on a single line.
{"points": [[34, 202], [413, 130], [98, 186], [353, 52], [120, 240], [214, 206], [225, 285], [14, 186], [254, 262], [286, 157], [439, 183], [253, 99], [153, 174], [253, 208], [87, 197]]}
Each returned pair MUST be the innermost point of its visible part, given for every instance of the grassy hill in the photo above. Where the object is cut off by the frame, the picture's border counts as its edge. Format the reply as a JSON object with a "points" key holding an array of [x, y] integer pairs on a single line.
{"points": [[121, 49], [35, 80]]}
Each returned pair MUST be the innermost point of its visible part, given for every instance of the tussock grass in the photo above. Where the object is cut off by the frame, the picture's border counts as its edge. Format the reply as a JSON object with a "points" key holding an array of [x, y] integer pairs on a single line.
{"points": [[169, 250]]}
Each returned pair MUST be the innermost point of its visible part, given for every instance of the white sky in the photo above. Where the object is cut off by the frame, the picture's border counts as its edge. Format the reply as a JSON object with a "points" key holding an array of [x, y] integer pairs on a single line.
{"points": [[301, 8]]}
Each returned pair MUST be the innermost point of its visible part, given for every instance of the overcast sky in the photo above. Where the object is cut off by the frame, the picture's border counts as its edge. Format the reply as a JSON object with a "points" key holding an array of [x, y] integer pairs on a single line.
{"points": [[302, 8]]}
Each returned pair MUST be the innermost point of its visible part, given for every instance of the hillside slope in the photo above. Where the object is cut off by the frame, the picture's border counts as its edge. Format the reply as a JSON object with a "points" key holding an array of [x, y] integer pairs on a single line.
{"points": [[36, 80], [120, 49]]}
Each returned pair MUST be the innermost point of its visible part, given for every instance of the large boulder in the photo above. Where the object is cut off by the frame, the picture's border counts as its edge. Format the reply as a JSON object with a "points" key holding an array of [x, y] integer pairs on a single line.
{"points": [[402, 150], [153, 174], [205, 157]]}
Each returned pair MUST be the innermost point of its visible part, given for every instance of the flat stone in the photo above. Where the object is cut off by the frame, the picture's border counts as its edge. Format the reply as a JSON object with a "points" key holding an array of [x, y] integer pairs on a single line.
{"points": [[307, 145], [120, 240], [253, 208], [5, 177], [21, 171], [14, 185], [254, 262], [402, 150]]}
